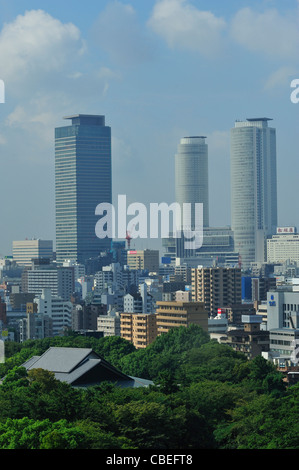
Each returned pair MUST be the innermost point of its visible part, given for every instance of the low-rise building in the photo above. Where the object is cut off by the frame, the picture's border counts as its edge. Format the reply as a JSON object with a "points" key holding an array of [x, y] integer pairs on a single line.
{"points": [[109, 324], [143, 259], [250, 340]]}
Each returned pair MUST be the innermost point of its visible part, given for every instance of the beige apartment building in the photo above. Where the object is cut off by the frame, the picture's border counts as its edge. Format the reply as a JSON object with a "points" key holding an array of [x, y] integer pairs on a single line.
{"points": [[177, 313], [216, 287], [143, 259], [138, 328]]}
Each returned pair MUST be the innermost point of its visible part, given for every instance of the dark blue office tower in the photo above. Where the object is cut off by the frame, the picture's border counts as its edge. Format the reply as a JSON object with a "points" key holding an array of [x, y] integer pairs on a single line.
{"points": [[83, 179]]}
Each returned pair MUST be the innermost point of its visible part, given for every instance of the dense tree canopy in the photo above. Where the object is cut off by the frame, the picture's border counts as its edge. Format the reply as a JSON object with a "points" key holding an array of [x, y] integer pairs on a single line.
{"points": [[205, 396]]}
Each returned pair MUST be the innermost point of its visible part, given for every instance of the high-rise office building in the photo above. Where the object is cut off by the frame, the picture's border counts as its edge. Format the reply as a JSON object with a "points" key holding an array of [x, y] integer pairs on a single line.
{"points": [[253, 187], [191, 175], [25, 251], [83, 180]]}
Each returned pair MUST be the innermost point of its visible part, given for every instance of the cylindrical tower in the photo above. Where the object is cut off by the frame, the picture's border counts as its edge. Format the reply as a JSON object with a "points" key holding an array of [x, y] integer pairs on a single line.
{"points": [[191, 175]]}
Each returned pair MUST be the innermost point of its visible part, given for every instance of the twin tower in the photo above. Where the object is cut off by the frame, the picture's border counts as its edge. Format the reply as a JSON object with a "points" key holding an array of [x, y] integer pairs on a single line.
{"points": [[83, 179], [253, 184]]}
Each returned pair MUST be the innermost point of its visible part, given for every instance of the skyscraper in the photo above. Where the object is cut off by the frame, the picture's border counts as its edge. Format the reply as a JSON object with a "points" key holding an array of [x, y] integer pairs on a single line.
{"points": [[191, 175], [192, 187], [83, 180], [253, 187]]}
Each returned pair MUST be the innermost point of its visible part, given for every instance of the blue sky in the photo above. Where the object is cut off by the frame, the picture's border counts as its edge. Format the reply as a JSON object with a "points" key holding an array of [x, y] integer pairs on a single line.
{"points": [[159, 70]]}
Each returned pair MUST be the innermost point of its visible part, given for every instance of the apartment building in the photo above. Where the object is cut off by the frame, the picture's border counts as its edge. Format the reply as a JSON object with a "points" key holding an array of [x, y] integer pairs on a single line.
{"points": [[250, 340], [216, 287], [178, 313], [139, 329]]}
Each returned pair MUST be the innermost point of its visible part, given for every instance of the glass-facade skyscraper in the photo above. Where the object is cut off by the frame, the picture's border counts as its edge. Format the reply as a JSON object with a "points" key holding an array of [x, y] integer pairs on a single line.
{"points": [[83, 179], [253, 187]]}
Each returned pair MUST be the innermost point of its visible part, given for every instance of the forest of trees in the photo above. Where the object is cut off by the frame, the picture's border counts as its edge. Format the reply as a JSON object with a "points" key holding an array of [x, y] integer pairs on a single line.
{"points": [[205, 396]]}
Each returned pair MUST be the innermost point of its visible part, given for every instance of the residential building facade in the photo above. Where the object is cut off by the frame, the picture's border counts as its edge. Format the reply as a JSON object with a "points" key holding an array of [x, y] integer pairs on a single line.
{"points": [[216, 287], [177, 313], [139, 329]]}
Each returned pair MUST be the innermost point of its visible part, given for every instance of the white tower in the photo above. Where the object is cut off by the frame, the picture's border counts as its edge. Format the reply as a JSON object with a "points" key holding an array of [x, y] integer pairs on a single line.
{"points": [[191, 175], [253, 187]]}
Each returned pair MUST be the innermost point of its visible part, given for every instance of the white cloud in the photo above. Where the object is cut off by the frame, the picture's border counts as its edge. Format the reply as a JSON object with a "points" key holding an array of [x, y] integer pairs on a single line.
{"points": [[36, 44], [47, 76], [268, 33], [185, 27]]}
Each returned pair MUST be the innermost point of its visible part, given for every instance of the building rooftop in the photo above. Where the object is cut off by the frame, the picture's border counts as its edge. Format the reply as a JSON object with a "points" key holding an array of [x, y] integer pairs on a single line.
{"points": [[259, 119], [81, 367], [87, 119]]}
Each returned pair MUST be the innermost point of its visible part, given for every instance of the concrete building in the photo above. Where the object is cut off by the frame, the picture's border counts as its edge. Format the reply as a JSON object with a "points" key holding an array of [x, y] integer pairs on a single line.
{"points": [[25, 251], [283, 324], [216, 287], [235, 312], [250, 340], [19, 300], [284, 246], [217, 248], [83, 180], [35, 326], [218, 325], [109, 324], [253, 188], [117, 277], [79, 269], [176, 314], [182, 296], [138, 329], [84, 317], [57, 309], [3, 316], [283, 308], [143, 259], [141, 302], [59, 280], [260, 286]]}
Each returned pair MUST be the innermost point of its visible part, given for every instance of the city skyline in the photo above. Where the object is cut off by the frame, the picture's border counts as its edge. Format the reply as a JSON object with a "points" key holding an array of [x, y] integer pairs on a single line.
{"points": [[155, 85]]}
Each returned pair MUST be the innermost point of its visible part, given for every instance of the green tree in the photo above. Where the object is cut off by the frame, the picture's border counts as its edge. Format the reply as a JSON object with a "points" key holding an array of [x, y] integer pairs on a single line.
{"points": [[44, 379], [98, 438], [264, 422]]}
